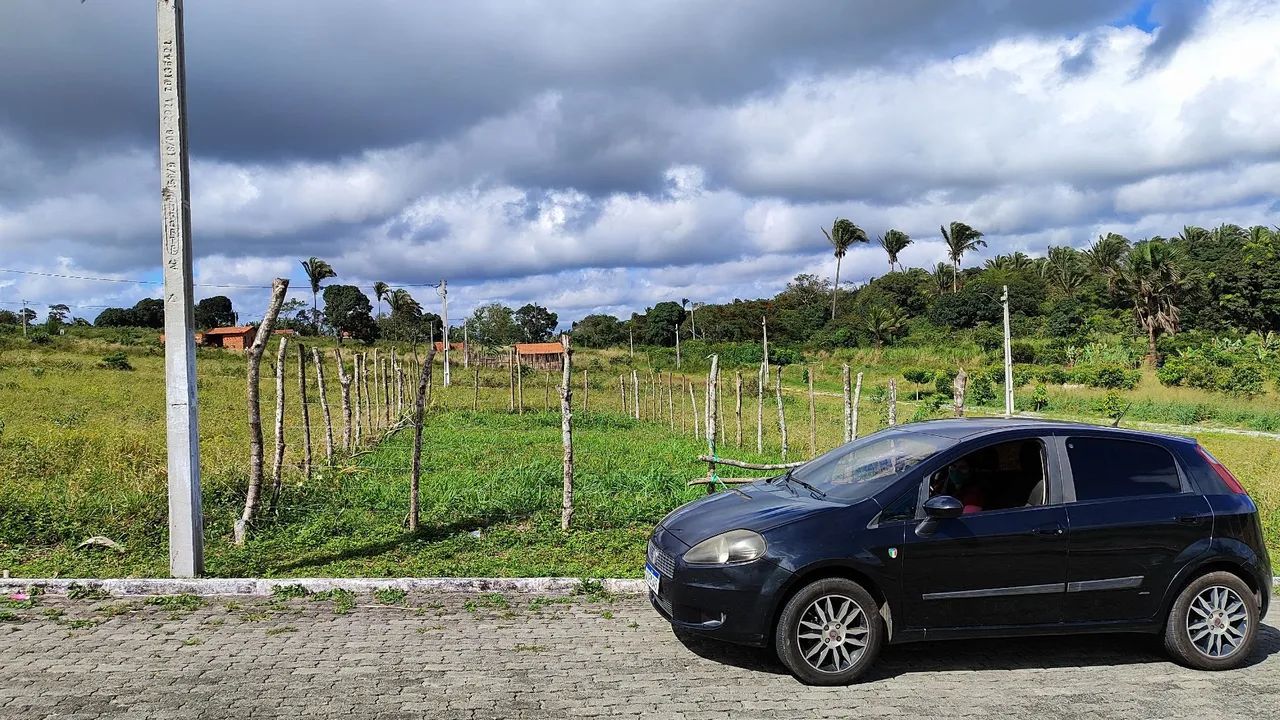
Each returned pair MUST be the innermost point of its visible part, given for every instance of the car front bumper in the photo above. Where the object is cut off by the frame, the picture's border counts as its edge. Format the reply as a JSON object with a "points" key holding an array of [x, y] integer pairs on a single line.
{"points": [[734, 603]]}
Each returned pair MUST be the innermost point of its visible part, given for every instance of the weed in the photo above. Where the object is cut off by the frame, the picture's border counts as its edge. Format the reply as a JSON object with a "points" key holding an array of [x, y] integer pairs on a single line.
{"points": [[182, 603], [255, 616], [343, 600], [607, 615], [593, 590], [192, 641], [289, 592], [7, 616], [81, 623], [390, 596], [487, 601], [114, 609], [92, 591], [522, 647], [52, 613], [282, 630]]}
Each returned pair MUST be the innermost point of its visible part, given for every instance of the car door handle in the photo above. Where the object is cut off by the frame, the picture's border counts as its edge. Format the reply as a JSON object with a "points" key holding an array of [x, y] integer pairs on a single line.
{"points": [[1193, 519], [1054, 529]]}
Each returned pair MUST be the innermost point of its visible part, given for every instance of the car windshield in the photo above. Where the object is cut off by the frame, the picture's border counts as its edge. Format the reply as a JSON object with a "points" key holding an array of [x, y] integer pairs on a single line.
{"points": [[862, 468]]}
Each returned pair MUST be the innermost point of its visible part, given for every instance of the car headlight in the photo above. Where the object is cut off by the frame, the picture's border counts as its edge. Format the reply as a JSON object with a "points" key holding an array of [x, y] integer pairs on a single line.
{"points": [[733, 547]]}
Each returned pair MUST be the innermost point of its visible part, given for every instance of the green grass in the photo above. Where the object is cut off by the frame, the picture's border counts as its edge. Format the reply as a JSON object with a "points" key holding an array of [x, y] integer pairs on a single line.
{"points": [[82, 454]]}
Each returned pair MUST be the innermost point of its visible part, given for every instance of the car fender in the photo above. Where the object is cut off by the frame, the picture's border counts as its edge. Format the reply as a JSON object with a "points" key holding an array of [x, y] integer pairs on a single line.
{"points": [[1209, 552]]}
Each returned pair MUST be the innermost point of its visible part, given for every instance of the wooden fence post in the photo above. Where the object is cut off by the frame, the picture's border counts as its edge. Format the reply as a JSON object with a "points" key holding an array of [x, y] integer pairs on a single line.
{"points": [[671, 402], [848, 404], [958, 387], [893, 402], [519, 384], [635, 394], [782, 416], [386, 391], [306, 411], [813, 418], [511, 376], [737, 406], [415, 477], [344, 384], [712, 388], [277, 466], [857, 397], [324, 405], [760, 410], [358, 400], [584, 391], [566, 433], [279, 287], [475, 384], [693, 403], [622, 390]]}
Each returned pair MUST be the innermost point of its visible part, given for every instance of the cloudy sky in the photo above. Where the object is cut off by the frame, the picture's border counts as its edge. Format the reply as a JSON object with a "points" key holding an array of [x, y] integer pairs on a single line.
{"points": [[603, 156]]}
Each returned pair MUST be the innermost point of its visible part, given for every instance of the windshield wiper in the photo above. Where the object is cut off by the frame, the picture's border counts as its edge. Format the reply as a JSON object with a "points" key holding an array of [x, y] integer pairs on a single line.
{"points": [[789, 477]]}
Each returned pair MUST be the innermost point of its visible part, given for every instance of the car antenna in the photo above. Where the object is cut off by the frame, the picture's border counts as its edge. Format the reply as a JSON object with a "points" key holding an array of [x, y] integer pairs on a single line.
{"points": [[1116, 423]]}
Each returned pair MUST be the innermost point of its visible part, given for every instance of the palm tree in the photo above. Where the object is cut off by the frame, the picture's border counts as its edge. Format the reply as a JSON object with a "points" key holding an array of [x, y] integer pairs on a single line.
{"points": [[1063, 267], [317, 270], [1152, 280], [894, 242], [843, 235], [941, 277], [380, 291], [1017, 260], [883, 324], [402, 303], [960, 240], [1105, 257]]}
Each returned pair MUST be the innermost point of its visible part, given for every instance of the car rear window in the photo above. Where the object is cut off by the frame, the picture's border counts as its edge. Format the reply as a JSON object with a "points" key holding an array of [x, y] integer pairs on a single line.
{"points": [[1105, 468]]}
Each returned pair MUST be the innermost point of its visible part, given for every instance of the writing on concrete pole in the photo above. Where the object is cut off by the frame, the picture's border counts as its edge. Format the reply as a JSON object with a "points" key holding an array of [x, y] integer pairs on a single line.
{"points": [[186, 532]]}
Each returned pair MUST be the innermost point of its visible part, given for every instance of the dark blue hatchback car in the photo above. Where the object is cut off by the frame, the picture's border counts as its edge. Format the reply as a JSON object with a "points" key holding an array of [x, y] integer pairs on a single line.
{"points": [[971, 527]]}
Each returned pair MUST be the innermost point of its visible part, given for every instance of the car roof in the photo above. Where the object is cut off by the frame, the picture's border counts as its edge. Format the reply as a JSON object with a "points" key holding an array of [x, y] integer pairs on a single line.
{"points": [[970, 427]]}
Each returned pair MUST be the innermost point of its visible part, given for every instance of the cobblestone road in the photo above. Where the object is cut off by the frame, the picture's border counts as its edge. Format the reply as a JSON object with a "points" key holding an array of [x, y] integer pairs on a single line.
{"points": [[452, 656]]}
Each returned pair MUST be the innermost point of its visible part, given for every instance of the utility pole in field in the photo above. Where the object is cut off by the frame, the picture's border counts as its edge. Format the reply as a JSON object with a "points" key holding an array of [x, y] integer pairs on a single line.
{"points": [[24, 318], [186, 523], [444, 320], [677, 346], [1008, 357]]}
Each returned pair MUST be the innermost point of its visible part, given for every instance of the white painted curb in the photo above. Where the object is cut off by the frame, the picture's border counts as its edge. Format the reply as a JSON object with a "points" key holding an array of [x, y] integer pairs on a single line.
{"points": [[124, 587]]}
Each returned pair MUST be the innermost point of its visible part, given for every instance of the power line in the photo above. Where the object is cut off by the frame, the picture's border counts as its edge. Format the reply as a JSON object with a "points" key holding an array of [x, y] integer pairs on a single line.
{"points": [[129, 281]]}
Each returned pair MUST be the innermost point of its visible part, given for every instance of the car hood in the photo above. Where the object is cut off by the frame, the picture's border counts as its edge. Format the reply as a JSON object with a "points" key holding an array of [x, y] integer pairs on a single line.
{"points": [[759, 507]]}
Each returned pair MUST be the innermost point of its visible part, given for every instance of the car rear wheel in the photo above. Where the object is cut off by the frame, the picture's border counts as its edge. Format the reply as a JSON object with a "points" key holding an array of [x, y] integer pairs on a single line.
{"points": [[1214, 623], [829, 632]]}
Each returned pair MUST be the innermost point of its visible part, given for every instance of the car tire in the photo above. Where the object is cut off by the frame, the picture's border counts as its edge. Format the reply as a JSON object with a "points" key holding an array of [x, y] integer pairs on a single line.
{"points": [[837, 614], [1210, 613]]}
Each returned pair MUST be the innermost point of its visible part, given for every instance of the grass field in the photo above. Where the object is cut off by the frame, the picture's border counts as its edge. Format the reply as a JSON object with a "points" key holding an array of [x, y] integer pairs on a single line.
{"points": [[82, 454]]}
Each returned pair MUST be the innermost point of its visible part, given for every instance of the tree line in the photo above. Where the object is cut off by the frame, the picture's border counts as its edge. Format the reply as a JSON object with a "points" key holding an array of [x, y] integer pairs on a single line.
{"points": [[1221, 280]]}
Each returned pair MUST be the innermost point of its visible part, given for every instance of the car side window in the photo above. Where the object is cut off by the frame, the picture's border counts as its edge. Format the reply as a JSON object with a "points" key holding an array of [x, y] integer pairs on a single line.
{"points": [[1107, 468], [1003, 476], [903, 508]]}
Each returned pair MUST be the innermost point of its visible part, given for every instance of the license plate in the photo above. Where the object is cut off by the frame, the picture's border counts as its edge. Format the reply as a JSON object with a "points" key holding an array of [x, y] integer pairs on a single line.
{"points": [[651, 577]]}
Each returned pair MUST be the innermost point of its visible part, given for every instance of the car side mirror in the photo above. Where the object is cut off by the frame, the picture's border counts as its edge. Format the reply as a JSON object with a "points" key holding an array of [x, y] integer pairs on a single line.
{"points": [[942, 507]]}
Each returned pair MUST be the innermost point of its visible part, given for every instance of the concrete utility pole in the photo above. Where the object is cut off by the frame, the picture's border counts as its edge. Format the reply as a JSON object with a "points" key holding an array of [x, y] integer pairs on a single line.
{"points": [[186, 523], [677, 346], [444, 320], [1008, 357], [24, 318]]}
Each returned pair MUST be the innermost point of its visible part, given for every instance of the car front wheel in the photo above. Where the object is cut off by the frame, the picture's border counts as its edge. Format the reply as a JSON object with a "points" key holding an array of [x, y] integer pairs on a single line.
{"points": [[1213, 624], [829, 632]]}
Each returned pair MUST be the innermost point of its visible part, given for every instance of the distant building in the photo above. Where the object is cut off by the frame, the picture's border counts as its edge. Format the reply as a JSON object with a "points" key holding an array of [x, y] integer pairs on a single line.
{"points": [[230, 338], [545, 355], [456, 353]]}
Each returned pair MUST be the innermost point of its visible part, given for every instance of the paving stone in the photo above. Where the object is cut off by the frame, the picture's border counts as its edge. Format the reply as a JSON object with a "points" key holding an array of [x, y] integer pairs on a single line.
{"points": [[441, 656]]}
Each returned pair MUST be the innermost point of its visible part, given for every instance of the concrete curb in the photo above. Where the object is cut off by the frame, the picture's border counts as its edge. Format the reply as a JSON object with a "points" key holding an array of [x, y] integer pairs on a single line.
{"points": [[124, 587]]}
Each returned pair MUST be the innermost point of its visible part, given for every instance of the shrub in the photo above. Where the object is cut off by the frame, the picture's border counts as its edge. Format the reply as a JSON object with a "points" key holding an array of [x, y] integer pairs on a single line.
{"points": [[942, 381], [1053, 374], [1108, 376], [115, 361], [1023, 352], [1040, 398], [981, 391]]}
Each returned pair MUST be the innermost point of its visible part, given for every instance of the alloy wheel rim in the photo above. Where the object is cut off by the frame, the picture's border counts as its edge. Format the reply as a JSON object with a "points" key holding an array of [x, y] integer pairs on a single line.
{"points": [[1217, 622], [832, 633]]}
